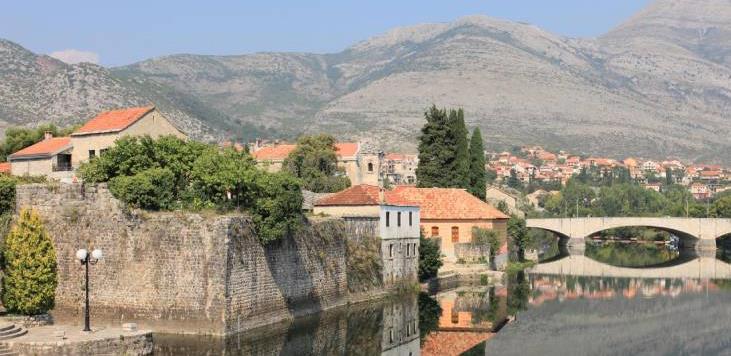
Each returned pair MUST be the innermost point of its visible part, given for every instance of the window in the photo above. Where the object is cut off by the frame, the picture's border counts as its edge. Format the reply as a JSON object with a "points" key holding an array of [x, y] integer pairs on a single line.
{"points": [[435, 230], [411, 223], [370, 167], [398, 219], [388, 219], [455, 234], [390, 250], [92, 154]]}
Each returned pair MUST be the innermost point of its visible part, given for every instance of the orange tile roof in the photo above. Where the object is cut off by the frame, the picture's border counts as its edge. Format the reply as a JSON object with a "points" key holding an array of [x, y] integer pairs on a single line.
{"points": [[363, 194], [273, 153], [113, 121], [448, 204], [4, 167], [280, 152], [44, 148]]}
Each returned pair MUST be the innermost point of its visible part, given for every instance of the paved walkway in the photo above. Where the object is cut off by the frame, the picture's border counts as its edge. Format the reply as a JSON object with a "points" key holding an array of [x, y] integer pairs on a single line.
{"points": [[67, 339]]}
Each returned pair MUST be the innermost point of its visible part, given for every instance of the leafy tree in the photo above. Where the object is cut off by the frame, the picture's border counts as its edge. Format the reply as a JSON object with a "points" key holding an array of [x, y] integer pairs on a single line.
{"points": [[436, 152], [487, 237], [430, 258], [429, 313], [722, 207], [503, 207], [669, 180], [7, 195], [518, 233], [513, 181], [29, 284], [277, 208], [224, 179], [315, 162], [477, 172], [152, 189]]}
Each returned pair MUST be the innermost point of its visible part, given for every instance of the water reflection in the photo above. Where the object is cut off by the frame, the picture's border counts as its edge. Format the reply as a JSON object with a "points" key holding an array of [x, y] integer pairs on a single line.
{"points": [[624, 254]]}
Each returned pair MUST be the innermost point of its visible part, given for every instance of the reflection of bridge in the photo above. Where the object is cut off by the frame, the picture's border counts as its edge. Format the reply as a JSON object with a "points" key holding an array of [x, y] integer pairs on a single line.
{"points": [[702, 231], [577, 265]]}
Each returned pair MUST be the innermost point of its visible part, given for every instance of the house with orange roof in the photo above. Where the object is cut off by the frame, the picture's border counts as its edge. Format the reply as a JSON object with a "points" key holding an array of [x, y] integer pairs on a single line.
{"points": [[449, 214], [395, 221], [361, 162], [50, 157], [99, 133], [5, 168]]}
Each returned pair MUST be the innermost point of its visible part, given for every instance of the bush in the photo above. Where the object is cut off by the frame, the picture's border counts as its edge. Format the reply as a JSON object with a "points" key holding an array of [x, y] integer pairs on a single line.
{"points": [[150, 189], [315, 162], [29, 284], [430, 258], [7, 195], [277, 211]]}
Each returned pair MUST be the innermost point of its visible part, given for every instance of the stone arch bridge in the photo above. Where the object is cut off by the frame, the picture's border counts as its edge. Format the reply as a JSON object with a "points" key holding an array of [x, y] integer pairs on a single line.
{"points": [[698, 232]]}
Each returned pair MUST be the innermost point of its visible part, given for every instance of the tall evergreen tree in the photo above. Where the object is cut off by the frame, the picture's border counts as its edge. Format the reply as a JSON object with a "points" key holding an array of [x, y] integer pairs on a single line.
{"points": [[436, 152], [461, 163], [477, 172], [29, 284]]}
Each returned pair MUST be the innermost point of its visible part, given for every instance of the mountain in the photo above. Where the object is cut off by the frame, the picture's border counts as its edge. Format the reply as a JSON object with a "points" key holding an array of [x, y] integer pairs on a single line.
{"points": [[36, 89], [658, 85]]}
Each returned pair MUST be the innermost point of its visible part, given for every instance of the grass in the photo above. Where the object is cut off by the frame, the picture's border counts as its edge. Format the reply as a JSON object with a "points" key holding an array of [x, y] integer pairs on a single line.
{"points": [[514, 267]]}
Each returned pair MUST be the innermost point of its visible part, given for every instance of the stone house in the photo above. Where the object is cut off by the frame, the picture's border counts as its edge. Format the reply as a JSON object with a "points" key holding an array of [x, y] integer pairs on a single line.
{"points": [[50, 157], [494, 195], [400, 168], [449, 214], [385, 215], [58, 157], [361, 162], [99, 133]]}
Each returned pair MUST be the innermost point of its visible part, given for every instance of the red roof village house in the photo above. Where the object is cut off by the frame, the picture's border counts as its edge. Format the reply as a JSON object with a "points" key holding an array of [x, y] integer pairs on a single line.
{"points": [[361, 164], [48, 157], [4, 167]]}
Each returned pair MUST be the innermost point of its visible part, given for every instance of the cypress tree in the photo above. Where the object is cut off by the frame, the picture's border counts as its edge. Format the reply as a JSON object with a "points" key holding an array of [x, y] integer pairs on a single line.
{"points": [[459, 174], [436, 152], [477, 173], [29, 284]]}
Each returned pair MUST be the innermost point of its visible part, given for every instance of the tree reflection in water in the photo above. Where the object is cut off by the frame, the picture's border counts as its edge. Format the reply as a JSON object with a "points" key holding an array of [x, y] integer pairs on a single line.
{"points": [[622, 254]]}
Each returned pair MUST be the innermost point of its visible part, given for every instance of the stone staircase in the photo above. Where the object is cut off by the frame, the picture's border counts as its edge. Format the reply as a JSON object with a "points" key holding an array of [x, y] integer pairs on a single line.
{"points": [[8, 332]]}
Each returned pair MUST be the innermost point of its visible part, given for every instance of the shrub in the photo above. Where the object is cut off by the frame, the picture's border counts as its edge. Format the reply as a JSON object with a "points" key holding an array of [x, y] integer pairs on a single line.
{"points": [[430, 258], [29, 284], [277, 211], [7, 194], [150, 189]]}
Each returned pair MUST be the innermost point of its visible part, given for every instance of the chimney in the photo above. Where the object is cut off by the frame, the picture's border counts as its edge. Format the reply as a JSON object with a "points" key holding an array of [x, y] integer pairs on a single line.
{"points": [[381, 196], [47, 135]]}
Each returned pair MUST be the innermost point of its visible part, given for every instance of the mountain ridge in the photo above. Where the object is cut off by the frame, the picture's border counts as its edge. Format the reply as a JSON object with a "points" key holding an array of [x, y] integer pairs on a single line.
{"points": [[645, 88]]}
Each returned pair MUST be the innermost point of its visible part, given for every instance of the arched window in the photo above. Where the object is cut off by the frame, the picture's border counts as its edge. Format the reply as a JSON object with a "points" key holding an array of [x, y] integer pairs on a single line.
{"points": [[370, 166], [455, 234], [435, 230]]}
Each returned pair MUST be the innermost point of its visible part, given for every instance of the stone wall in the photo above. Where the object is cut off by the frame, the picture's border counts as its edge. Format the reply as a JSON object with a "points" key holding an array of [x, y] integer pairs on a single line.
{"points": [[185, 272]]}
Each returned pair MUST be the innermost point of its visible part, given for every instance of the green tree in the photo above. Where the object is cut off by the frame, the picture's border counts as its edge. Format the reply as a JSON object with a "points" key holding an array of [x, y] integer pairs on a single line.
{"points": [[722, 207], [503, 207], [489, 238], [224, 179], [7, 195], [669, 180], [429, 313], [518, 234], [152, 189], [315, 162], [436, 152], [277, 208], [513, 181], [29, 284], [430, 258], [477, 172], [460, 171]]}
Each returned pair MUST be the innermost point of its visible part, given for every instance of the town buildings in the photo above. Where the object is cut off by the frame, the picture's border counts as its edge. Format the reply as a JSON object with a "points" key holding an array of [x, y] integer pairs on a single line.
{"points": [[400, 168], [361, 162], [383, 214]]}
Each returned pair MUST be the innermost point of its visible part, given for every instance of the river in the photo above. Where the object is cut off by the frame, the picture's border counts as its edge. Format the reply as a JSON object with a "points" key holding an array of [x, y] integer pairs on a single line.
{"points": [[615, 299]]}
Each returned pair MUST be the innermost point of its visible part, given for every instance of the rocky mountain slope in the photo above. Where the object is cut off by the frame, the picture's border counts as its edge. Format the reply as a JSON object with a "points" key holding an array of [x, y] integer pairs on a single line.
{"points": [[658, 85]]}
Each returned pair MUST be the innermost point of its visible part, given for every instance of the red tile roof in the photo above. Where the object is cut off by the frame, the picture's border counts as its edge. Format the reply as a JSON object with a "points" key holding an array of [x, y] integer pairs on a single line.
{"points": [[4, 167], [280, 152], [44, 148], [113, 121], [363, 194], [448, 204]]}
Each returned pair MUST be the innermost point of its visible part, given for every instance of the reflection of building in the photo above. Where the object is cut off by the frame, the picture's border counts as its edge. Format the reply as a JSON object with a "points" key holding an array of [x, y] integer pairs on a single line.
{"points": [[401, 329], [469, 317], [384, 215], [361, 162]]}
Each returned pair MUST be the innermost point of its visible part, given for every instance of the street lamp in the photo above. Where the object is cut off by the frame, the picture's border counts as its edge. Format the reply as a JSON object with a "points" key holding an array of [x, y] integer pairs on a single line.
{"points": [[87, 259]]}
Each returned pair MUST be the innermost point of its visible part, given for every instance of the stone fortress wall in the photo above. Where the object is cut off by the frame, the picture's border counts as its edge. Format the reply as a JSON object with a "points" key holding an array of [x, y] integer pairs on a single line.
{"points": [[188, 272]]}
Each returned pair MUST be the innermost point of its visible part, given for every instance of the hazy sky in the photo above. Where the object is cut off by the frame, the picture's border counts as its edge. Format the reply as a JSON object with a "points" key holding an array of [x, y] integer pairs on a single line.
{"points": [[124, 31]]}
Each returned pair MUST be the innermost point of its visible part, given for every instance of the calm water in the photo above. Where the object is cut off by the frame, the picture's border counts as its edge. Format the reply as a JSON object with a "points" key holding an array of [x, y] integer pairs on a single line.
{"points": [[616, 299]]}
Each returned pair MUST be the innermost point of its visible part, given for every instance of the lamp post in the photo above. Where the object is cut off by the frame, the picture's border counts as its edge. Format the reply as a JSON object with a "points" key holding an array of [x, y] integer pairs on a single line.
{"points": [[87, 259]]}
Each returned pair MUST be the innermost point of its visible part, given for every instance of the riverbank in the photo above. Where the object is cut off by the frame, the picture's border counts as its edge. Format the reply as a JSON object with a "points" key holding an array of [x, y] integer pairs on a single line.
{"points": [[69, 340]]}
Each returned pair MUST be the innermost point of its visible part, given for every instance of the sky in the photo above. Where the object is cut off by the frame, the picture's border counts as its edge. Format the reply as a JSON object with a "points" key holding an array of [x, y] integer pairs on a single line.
{"points": [[114, 33]]}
